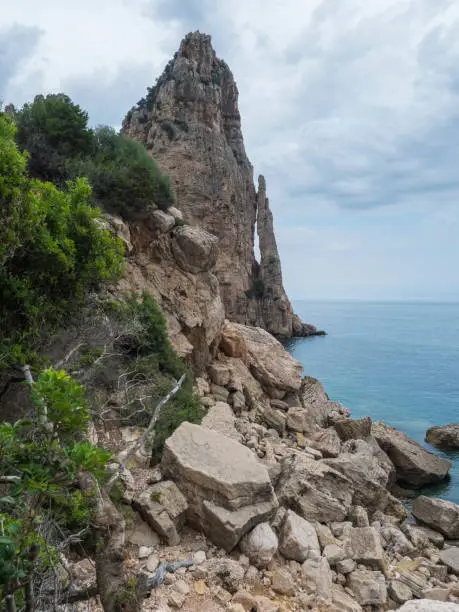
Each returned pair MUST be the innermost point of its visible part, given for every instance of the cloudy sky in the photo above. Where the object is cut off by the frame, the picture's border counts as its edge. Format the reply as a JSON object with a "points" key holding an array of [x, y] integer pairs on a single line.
{"points": [[350, 109]]}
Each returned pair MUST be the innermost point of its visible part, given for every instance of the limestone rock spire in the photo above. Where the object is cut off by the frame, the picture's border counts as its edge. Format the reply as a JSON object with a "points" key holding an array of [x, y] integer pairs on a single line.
{"points": [[190, 123]]}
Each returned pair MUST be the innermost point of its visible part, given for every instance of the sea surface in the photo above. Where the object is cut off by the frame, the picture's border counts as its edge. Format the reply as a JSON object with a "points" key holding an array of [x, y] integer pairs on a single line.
{"points": [[397, 362]]}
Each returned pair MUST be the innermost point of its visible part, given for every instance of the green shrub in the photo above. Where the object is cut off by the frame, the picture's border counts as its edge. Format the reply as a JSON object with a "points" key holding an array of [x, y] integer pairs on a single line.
{"points": [[125, 179], [53, 251], [184, 406], [46, 460], [53, 130]]}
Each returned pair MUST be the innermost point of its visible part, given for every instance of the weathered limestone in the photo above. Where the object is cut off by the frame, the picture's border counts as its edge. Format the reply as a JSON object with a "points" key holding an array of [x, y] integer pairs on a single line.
{"points": [[440, 514], [313, 489], [369, 587], [317, 403], [316, 577], [444, 436], [162, 221], [353, 429], [227, 489], [221, 418], [191, 125], [267, 359], [370, 471], [450, 557], [415, 465], [363, 545], [163, 507], [427, 605], [260, 545], [298, 538], [327, 442], [194, 249]]}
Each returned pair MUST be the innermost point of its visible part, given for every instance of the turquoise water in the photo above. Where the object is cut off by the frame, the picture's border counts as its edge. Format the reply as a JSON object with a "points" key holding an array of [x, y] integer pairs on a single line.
{"points": [[396, 362]]}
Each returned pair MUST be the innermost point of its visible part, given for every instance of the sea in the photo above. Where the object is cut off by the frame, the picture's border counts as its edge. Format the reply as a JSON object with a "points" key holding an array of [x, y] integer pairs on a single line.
{"points": [[397, 362]]}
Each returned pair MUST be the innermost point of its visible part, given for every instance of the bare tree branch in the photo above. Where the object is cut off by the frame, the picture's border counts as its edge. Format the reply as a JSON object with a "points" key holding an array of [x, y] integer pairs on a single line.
{"points": [[146, 433]]}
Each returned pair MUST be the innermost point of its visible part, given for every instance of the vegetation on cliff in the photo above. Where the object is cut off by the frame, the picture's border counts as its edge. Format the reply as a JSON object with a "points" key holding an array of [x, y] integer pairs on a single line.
{"points": [[56, 255], [123, 177]]}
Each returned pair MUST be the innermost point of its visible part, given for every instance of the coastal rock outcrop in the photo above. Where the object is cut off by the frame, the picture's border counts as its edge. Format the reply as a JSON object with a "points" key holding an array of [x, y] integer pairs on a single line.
{"points": [[444, 436], [415, 466], [190, 123], [440, 514]]}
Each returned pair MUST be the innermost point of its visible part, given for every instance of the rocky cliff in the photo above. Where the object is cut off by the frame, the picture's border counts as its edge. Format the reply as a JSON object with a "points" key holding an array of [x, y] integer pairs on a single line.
{"points": [[190, 122]]}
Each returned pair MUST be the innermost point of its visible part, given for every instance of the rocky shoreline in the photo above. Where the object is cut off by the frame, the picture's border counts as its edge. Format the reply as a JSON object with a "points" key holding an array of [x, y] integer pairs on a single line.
{"points": [[283, 503], [277, 501]]}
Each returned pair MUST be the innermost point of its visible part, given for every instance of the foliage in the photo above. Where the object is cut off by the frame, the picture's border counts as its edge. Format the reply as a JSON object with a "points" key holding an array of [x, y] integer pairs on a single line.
{"points": [[125, 179], [184, 406], [53, 130], [148, 336], [65, 403], [157, 361], [46, 460], [53, 250]]}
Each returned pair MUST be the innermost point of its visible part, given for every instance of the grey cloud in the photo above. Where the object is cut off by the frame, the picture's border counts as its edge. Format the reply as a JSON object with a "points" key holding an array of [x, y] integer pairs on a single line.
{"points": [[17, 44], [107, 97]]}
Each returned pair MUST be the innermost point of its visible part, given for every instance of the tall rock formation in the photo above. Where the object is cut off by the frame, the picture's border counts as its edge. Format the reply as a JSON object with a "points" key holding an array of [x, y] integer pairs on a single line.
{"points": [[190, 123]]}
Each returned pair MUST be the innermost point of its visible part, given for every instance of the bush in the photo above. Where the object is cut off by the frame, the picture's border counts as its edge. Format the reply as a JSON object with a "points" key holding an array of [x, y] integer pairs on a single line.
{"points": [[46, 460], [53, 251], [53, 130], [124, 177]]}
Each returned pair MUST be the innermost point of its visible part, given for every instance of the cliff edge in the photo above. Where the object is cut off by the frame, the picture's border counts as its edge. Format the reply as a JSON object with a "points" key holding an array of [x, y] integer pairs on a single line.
{"points": [[190, 123]]}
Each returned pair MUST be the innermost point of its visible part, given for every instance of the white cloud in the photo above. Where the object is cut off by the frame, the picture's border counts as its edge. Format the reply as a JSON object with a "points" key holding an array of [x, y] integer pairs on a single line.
{"points": [[350, 109]]}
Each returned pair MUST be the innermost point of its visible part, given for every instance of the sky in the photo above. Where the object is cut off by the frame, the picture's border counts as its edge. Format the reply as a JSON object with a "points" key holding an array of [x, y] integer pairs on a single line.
{"points": [[350, 109]]}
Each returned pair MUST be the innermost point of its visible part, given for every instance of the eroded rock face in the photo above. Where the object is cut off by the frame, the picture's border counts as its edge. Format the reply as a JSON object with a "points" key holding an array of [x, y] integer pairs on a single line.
{"points": [[266, 358], [415, 466], [194, 249], [190, 123], [440, 514], [227, 489]]}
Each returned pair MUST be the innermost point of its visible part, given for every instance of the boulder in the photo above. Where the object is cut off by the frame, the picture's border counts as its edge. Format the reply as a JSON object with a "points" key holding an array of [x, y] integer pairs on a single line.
{"points": [[342, 602], [162, 221], [369, 587], [439, 514], [428, 605], [450, 557], [163, 507], [363, 545], [232, 342], [399, 592], [317, 403], [316, 576], [274, 418], [327, 442], [415, 466], [444, 436], [422, 537], [221, 418], [194, 249], [267, 359], [175, 212], [313, 489], [395, 541], [228, 490], [260, 545], [369, 470], [296, 419], [353, 429], [298, 538], [219, 374], [282, 582]]}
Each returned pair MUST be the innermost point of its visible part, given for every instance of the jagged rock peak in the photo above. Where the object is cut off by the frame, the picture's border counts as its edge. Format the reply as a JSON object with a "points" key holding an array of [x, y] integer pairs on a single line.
{"points": [[190, 123]]}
